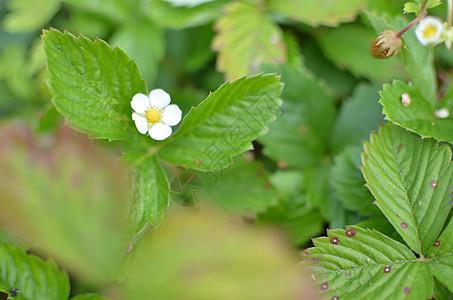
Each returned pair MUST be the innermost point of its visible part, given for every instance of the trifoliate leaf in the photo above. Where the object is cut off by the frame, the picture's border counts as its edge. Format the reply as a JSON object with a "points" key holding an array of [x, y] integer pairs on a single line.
{"points": [[411, 179], [362, 264], [300, 137], [405, 106], [225, 124], [29, 15], [92, 84], [31, 276], [247, 38], [353, 53], [252, 192], [349, 183], [151, 190], [319, 12]]}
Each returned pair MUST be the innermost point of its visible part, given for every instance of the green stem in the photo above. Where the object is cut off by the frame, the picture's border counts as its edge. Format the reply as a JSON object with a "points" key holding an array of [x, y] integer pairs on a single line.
{"points": [[422, 14]]}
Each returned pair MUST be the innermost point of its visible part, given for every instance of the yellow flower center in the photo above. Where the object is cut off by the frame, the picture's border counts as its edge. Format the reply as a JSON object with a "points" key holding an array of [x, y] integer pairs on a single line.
{"points": [[153, 116], [429, 31]]}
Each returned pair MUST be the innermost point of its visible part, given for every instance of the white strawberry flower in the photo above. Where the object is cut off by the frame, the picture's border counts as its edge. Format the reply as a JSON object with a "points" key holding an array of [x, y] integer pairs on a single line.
{"points": [[155, 114], [429, 30]]}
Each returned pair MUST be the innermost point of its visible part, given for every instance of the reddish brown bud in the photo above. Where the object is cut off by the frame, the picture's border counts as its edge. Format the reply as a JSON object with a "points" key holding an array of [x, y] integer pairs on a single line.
{"points": [[386, 45]]}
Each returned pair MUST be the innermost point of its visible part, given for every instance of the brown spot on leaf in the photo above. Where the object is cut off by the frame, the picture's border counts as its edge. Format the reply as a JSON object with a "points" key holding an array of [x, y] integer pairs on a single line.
{"points": [[350, 232], [407, 290], [314, 261], [433, 184], [403, 225], [387, 269], [335, 298], [334, 240], [399, 147], [437, 243], [324, 286]]}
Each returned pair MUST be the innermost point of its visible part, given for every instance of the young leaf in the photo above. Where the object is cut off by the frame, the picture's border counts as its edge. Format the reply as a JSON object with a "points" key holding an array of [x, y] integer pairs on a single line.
{"points": [[31, 276], [92, 84], [224, 124], [362, 264], [151, 190], [29, 15], [353, 53], [411, 180], [319, 12], [247, 38], [405, 106], [302, 135], [415, 7]]}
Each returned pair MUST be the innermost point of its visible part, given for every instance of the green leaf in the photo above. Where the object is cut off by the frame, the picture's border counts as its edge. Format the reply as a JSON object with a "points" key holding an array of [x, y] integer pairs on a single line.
{"points": [[29, 15], [411, 179], [349, 183], [362, 264], [65, 198], [89, 297], [145, 44], [441, 292], [199, 256], [418, 115], [352, 52], [301, 136], [119, 11], [92, 84], [415, 7], [224, 124], [319, 12], [243, 188], [31, 276], [295, 217], [177, 17], [247, 38], [358, 116], [416, 58], [151, 190]]}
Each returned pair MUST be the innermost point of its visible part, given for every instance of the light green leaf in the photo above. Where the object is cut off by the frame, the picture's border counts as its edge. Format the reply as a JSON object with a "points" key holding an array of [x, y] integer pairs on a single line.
{"points": [[415, 7], [349, 183], [357, 117], [118, 11], [405, 106], [145, 44], [92, 84], [31, 276], [247, 38], [163, 13], [319, 12], [243, 188], [301, 135], [199, 256], [295, 217], [416, 58], [411, 179], [287, 182], [352, 52], [151, 190], [362, 264], [89, 297], [225, 124], [29, 15], [64, 198]]}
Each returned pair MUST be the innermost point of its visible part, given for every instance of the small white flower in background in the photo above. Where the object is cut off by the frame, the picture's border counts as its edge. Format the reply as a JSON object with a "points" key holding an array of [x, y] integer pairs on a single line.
{"points": [[442, 113], [154, 114], [429, 30]]}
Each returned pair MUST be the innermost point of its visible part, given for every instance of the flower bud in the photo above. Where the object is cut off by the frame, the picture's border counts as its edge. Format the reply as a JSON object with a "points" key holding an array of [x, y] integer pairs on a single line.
{"points": [[386, 45]]}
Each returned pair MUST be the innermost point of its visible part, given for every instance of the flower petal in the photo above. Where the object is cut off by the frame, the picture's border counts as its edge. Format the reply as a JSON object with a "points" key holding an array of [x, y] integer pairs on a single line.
{"points": [[159, 98], [429, 30], [140, 103], [141, 123], [171, 115], [160, 131]]}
